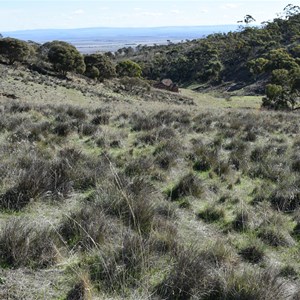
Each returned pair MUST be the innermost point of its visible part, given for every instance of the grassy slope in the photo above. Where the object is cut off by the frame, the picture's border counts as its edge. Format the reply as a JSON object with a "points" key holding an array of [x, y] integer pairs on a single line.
{"points": [[223, 133]]}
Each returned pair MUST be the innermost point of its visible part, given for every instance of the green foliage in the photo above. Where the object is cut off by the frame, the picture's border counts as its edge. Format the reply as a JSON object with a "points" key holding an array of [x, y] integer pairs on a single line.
{"points": [[14, 50], [99, 66], [128, 68], [257, 66], [280, 77], [280, 59], [65, 58]]}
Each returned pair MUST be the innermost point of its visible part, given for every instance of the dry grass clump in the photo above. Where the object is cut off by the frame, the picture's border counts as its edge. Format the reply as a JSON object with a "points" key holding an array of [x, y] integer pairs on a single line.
{"points": [[141, 166], [166, 153], [101, 119], [86, 228], [18, 107], [163, 237], [211, 213], [75, 112], [24, 243], [62, 129], [285, 197], [87, 129], [188, 185], [191, 277], [253, 254], [275, 236], [176, 119], [142, 122], [252, 284], [80, 291], [132, 201], [41, 176], [241, 221], [117, 270]]}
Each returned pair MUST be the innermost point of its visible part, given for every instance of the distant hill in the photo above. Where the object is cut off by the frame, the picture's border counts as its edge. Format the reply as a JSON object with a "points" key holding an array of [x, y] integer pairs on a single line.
{"points": [[110, 39]]}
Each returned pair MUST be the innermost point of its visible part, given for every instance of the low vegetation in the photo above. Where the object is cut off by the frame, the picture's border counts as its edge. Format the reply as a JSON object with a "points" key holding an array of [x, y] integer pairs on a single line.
{"points": [[112, 189]]}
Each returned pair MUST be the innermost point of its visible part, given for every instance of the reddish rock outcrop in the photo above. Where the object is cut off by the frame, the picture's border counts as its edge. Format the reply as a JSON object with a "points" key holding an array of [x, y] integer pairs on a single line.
{"points": [[167, 84]]}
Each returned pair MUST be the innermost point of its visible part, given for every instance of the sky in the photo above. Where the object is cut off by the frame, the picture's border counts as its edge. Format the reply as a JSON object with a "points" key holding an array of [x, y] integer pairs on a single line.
{"points": [[65, 14]]}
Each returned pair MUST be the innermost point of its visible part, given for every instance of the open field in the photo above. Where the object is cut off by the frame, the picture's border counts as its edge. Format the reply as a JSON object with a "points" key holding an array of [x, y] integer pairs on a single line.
{"points": [[120, 191]]}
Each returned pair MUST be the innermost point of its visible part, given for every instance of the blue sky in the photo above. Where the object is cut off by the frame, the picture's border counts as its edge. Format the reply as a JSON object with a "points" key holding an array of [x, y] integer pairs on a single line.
{"points": [[23, 14]]}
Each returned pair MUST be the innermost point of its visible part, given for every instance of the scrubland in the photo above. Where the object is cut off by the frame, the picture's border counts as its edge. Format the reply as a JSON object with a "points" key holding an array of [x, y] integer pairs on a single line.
{"points": [[119, 191]]}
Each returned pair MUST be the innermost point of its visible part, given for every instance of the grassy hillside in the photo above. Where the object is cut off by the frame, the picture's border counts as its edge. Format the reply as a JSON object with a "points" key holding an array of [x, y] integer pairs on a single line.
{"points": [[121, 191]]}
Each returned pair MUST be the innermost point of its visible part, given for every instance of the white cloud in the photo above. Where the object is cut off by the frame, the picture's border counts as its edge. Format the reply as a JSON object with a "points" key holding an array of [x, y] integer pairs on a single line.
{"points": [[175, 11], [229, 6], [78, 12], [152, 14], [204, 11]]}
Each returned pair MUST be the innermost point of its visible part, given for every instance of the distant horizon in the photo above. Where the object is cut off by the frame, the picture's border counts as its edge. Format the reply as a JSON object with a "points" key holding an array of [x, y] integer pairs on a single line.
{"points": [[119, 27], [20, 15], [94, 39]]}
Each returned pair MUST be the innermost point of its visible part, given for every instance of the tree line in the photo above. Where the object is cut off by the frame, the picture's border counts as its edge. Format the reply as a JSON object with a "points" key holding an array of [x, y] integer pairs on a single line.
{"points": [[63, 57], [268, 55]]}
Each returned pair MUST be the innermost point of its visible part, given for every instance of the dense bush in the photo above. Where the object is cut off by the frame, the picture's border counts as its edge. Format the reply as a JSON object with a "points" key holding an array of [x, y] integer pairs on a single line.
{"points": [[65, 58], [99, 66], [14, 50]]}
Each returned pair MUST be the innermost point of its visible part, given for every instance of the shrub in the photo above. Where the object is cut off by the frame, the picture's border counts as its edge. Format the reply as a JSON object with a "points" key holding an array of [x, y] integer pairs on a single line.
{"points": [[128, 68], [99, 66], [65, 58], [14, 50]]}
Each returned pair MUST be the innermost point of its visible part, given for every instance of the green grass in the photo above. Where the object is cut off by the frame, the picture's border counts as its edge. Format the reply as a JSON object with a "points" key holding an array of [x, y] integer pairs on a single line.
{"points": [[154, 211]]}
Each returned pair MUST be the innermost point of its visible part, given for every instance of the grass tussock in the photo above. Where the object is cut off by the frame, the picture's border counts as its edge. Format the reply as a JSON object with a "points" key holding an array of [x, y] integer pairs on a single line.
{"points": [[188, 185], [124, 176], [23, 243]]}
